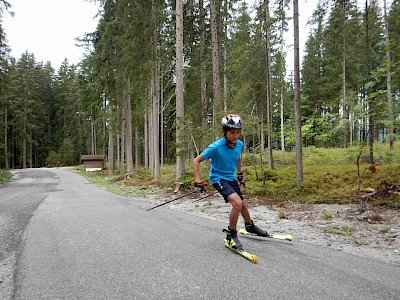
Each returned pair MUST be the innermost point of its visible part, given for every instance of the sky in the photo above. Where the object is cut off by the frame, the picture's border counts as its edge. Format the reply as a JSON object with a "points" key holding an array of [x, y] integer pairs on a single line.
{"points": [[48, 28]]}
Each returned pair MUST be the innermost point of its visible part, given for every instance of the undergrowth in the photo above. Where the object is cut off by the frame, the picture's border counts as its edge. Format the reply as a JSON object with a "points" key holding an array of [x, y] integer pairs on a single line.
{"points": [[330, 176], [5, 176]]}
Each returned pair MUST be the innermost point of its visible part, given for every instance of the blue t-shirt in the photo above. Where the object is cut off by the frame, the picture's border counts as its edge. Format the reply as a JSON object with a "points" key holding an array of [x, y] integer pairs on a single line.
{"points": [[224, 160]]}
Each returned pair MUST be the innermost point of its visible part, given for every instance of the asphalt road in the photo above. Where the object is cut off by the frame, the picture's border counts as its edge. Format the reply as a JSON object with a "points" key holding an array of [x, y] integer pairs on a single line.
{"points": [[18, 201], [85, 243]]}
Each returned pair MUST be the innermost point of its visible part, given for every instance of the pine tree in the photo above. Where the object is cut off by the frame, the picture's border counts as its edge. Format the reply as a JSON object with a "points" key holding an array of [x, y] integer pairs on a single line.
{"points": [[312, 65], [28, 109]]}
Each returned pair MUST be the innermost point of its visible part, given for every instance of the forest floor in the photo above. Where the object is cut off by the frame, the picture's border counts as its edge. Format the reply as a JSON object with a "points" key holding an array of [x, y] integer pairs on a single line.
{"points": [[370, 232]]}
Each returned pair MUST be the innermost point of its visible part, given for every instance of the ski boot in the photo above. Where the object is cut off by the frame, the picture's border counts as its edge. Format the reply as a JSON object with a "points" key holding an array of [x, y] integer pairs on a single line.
{"points": [[233, 240], [251, 228]]}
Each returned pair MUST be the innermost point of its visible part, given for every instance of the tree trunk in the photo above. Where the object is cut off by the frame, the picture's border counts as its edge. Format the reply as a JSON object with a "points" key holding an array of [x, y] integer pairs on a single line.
{"points": [[388, 80], [282, 79], [162, 142], [269, 83], [203, 75], [110, 158], [343, 104], [146, 141], [92, 146], [128, 127], [215, 62], [151, 138], [6, 134], [282, 125], [180, 113], [225, 98], [118, 165], [367, 92], [30, 149], [104, 119], [297, 106], [137, 149], [80, 128], [156, 123], [122, 148], [156, 95], [261, 134]]}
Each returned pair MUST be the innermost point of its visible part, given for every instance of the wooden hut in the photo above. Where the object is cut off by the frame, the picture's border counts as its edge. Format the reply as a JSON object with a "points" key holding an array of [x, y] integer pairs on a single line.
{"points": [[93, 162]]}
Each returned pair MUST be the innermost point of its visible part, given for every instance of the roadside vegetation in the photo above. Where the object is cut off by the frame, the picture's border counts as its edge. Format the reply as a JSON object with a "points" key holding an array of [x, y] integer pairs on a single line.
{"points": [[5, 176], [330, 176]]}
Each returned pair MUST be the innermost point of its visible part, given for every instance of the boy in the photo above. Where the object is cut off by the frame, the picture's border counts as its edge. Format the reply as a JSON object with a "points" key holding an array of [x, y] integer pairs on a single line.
{"points": [[225, 159]]}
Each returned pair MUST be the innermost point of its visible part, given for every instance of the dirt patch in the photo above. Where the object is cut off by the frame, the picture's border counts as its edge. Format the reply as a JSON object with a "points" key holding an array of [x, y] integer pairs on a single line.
{"points": [[372, 233]]}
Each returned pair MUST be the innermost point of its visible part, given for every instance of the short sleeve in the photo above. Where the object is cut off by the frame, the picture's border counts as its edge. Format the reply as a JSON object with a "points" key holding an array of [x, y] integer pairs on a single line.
{"points": [[209, 151]]}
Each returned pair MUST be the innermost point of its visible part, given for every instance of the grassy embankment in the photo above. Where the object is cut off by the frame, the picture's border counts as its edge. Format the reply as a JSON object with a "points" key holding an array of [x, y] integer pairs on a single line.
{"points": [[330, 176]]}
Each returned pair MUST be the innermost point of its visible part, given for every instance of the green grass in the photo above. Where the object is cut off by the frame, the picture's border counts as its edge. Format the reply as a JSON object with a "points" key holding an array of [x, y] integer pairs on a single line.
{"points": [[327, 214], [330, 176], [143, 187], [342, 230], [5, 176]]}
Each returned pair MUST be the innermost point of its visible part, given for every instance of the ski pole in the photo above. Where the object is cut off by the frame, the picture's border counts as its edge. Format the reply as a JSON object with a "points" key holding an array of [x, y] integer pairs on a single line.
{"points": [[192, 192], [205, 197]]}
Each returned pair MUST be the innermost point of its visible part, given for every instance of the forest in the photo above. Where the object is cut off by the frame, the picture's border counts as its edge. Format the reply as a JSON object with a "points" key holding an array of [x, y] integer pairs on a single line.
{"points": [[159, 75]]}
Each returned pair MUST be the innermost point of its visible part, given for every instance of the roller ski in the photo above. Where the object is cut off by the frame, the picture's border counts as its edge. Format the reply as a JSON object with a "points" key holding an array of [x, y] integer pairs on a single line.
{"points": [[232, 242], [252, 229]]}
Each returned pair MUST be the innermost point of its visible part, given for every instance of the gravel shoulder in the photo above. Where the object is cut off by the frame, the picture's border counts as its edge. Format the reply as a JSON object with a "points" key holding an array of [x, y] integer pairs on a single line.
{"points": [[373, 233]]}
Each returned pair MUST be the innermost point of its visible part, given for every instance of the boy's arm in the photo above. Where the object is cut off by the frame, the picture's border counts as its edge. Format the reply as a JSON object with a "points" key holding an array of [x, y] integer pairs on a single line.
{"points": [[196, 168], [239, 165], [239, 173]]}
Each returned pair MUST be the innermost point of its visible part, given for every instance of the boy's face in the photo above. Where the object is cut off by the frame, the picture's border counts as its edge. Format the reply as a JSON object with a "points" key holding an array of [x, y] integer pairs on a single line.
{"points": [[231, 136]]}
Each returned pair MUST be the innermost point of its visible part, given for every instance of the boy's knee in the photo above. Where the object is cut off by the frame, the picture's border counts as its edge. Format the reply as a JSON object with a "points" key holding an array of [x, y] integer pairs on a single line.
{"points": [[236, 202]]}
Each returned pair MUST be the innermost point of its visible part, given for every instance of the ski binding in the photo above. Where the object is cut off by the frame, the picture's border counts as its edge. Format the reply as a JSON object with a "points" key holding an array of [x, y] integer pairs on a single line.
{"points": [[252, 257], [286, 237]]}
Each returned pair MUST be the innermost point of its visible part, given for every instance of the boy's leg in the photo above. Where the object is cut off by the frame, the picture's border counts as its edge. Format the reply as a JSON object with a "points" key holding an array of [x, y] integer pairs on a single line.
{"points": [[236, 202], [232, 194], [245, 213], [230, 190], [249, 224], [237, 206]]}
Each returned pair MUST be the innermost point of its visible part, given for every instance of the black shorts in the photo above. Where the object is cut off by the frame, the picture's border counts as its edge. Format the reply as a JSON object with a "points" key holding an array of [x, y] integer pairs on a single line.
{"points": [[228, 188]]}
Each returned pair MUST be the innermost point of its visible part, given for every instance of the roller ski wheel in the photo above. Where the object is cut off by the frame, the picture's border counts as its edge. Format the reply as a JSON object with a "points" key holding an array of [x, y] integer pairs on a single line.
{"points": [[252, 257], [286, 237]]}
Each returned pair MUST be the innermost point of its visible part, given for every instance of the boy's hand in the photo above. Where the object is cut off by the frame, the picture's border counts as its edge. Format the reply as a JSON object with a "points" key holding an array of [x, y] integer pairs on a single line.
{"points": [[199, 186], [240, 179]]}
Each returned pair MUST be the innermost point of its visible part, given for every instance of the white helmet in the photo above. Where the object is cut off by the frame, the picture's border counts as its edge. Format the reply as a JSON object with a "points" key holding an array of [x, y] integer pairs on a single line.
{"points": [[232, 121]]}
